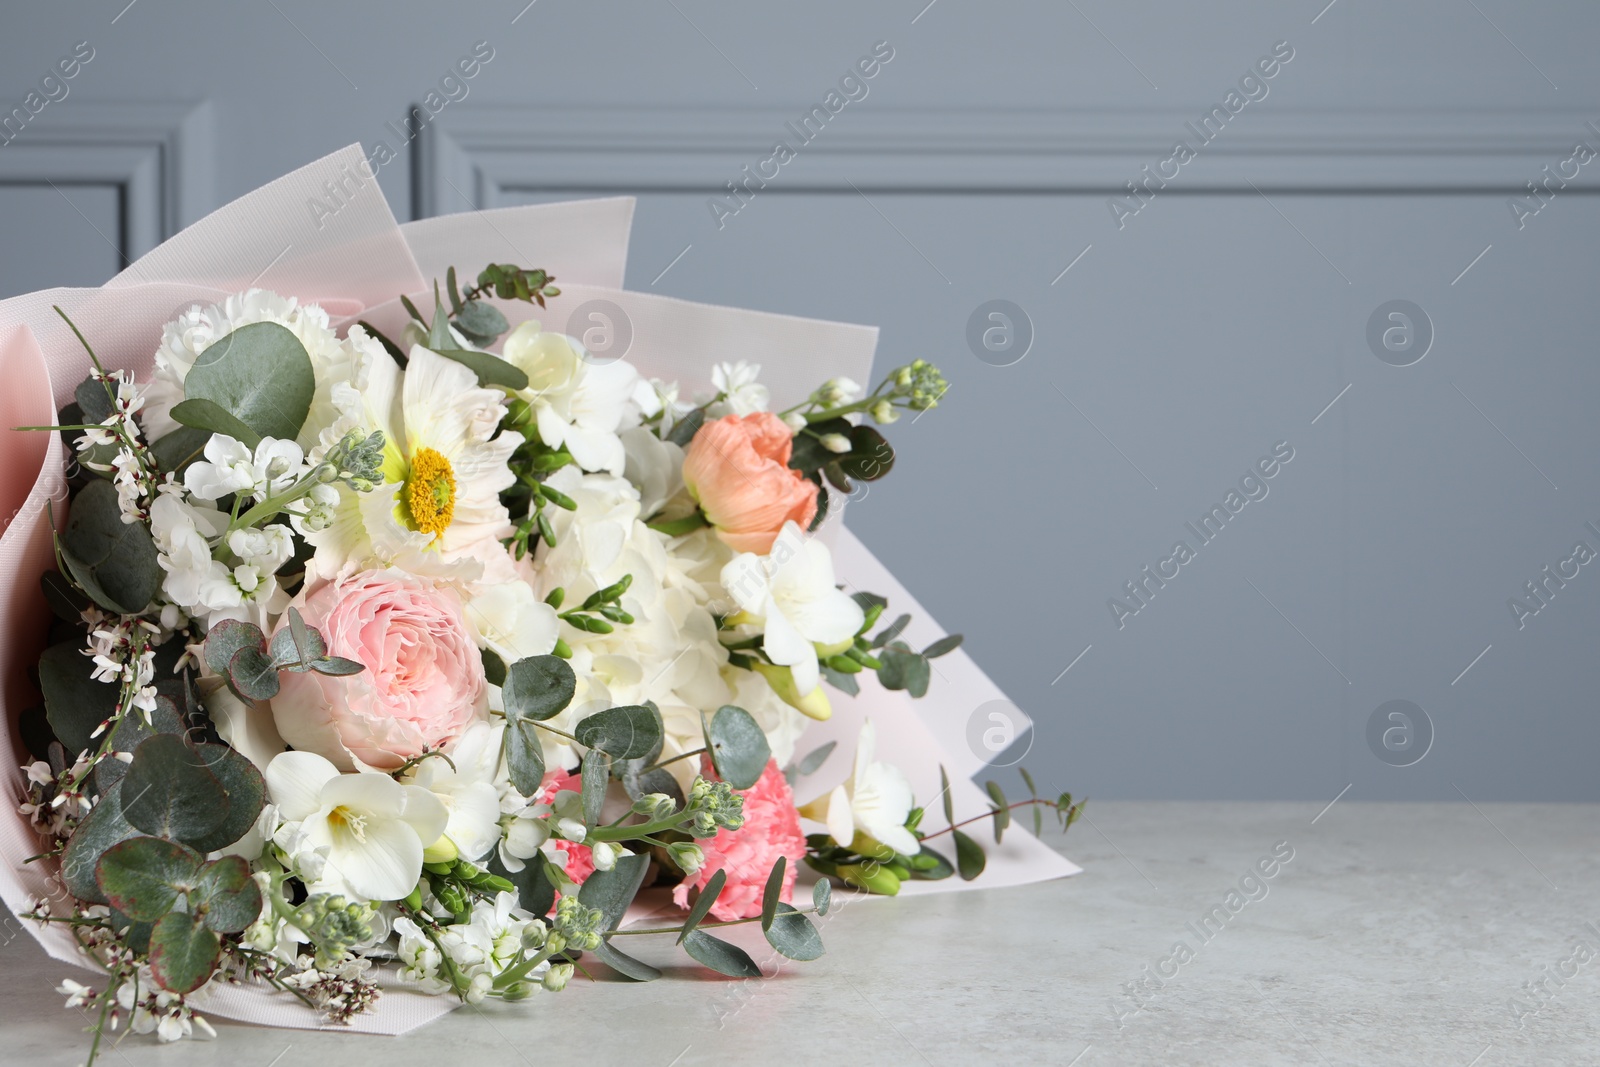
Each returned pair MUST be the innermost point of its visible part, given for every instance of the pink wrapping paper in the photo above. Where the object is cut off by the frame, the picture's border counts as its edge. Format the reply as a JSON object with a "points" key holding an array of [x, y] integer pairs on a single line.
{"points": [[355, 263]]}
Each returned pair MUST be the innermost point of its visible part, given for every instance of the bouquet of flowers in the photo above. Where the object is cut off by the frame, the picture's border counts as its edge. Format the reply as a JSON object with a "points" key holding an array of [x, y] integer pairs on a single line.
{"points": [[419, 644]]}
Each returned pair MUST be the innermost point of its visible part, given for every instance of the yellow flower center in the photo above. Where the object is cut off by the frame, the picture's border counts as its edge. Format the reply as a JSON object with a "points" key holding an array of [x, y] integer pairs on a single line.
{"points": [[430, 492], [353, 823]]}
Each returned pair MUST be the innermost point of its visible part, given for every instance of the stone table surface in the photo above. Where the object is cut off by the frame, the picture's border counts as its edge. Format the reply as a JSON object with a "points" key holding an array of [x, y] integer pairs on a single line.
{"points": [[1396, 934]]}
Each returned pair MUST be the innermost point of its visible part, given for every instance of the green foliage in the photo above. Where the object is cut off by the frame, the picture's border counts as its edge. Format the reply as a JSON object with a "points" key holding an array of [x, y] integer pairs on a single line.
{"points": [[261, 375], [771, 892], [239, 651], [536, 688], [510, 282], [720, 956], [111, 560], [247, 794], [490, 369], [970, 859], [75, 703], [201, 414], [183, 952], [1002, 810], [171, 793], [102, 828], [595, 773], [627, 732], [792, 934], [146, 877], [602, 607], [702, 904], [738, 746], [822, 896]]}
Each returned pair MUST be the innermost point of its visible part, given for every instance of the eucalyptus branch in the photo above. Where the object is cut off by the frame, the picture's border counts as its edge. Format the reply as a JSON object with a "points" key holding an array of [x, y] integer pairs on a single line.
{"points": [[991, 813]]}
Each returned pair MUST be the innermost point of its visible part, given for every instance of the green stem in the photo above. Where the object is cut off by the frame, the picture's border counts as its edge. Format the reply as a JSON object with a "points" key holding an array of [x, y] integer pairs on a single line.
{"points": [[987, 815], [707, 926], [635, 831], [674, 759]]}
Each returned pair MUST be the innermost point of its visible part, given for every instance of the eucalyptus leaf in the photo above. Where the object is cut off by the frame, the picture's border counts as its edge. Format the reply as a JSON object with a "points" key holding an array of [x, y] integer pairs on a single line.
{"points": [[793, 934], [684, 429], [720, 956], [252, 674], [970, 859], [870, 456], [904, 670], [626, 732], [814, 759], [702, 904], [524, 755], [595, 776], [102, 828], [610, 955], [490, 369], [144, 877], [494, 668], [337, 665], [178, 448], [170, 792], [119, 557], [75, 703], [481, 322], [934, 867], [1002, 813], [822, 895], [771, 892], [227, 637], [944, 795], [612, 891], [66, 600], [261, 375], [738, 747], [129, 733], [892, 631], [247, 795], [947, 644], [94, 400], [201, 414], [538, 687], [226, 895], [845, 683], [183, 953]]}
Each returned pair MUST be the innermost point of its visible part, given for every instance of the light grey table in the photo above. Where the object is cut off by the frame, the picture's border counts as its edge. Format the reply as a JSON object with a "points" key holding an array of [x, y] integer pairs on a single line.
{"points": [[1397, 934]]}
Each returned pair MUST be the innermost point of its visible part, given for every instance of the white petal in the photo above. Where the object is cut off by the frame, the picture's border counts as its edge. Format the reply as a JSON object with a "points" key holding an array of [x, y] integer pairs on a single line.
{"points": [[841, 823], [424, 812], [386, 865], [295, 781], [436, 396]]}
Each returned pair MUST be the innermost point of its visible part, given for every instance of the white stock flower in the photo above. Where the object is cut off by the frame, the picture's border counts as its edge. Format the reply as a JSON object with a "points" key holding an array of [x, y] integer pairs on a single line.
{"points": [[578, 404], [266, 547], [743, 394], [231, 467], [791, 593], [370, 829], [876, 801]]}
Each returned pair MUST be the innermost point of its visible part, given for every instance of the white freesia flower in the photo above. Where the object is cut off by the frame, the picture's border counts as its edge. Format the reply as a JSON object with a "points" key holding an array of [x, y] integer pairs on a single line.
{"points": [[876, 801], [466, 787], [791, 593], [654, 466], [579, 404], [370, 829], [443, 468], [743, 394]]}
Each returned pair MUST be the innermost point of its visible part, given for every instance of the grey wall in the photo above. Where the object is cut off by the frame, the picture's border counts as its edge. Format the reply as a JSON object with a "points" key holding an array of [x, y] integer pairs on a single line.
{"points": [[1221, 319]]}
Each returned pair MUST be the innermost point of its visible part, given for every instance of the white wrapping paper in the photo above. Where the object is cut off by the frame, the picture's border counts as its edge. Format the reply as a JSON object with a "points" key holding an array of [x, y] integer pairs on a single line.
{"points": [[354, 262]]}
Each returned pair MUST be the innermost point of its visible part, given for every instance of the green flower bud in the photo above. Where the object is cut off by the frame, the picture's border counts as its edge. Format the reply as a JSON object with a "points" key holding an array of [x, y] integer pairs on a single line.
{"points": [[556, 978]]}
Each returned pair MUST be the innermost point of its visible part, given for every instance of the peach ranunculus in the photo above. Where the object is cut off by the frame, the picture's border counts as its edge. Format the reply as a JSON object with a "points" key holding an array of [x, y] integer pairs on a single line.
{"points": [[738, 469], [423, 684]]}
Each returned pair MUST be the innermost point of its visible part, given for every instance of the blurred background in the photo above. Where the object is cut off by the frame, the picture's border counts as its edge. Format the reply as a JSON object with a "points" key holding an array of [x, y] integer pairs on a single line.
{"points": [[1369, 269]]}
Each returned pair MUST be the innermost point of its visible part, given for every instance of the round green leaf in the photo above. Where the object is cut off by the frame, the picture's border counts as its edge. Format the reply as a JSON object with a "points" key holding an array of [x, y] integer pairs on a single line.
{"points": [[183, 953], [225, 896], [227, 637], [214, 418], [260, 374], [114, 561], [143, 877], [74, 702], [100, 830], [822, 895], [627, 732], [738, 747], [793, 935], [524, 755], [490, 369], [170, 791], [538, 687], [247, 794]]}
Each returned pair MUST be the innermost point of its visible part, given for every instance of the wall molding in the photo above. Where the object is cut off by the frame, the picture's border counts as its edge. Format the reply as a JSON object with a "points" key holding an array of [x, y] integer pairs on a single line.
{"points": [[479, 157], [158, 155]]}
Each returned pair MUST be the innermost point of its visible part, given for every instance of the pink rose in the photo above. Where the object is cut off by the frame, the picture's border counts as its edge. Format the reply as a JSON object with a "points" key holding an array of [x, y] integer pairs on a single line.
{"points": [[738, 469], [423, 684]]}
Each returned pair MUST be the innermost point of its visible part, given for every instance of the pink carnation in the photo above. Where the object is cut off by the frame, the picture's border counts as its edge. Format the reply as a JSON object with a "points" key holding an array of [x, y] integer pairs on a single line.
{"points": [[580, 858], [771, 829]]}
